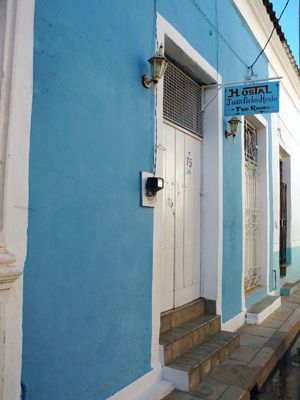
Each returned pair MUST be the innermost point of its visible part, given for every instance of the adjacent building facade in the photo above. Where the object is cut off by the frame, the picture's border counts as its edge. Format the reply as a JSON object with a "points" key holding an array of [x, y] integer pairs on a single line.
{"points": [[99, 268]]}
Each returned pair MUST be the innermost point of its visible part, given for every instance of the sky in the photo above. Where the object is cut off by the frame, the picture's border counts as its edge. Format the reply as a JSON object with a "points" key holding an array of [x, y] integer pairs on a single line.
{"points": [[289, 23]]}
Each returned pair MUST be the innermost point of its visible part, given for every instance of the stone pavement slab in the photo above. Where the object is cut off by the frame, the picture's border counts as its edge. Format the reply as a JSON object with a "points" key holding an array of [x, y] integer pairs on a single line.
{"points": [[252, 340], [257, 330], [235, 393], [234, 373], [210, 389], [272, 323], [177, 395], [244, 353]]}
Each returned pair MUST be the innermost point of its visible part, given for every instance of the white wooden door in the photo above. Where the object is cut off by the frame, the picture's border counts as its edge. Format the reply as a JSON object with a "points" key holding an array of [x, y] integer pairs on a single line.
{"points": [[179, 212]]}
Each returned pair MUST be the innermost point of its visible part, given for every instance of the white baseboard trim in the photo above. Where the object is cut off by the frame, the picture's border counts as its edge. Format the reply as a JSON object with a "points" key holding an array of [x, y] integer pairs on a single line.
{"points": [[150, 386], [234, 323], [157, 391]]}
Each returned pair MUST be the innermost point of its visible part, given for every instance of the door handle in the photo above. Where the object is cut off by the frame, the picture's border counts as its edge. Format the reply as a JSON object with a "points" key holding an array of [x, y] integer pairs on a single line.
{"points": [[170, 202]]}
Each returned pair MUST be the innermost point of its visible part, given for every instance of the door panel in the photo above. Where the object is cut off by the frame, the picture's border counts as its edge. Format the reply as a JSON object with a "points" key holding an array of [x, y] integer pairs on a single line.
{"points": [[179, 211], [167, 215], [188, 289]]}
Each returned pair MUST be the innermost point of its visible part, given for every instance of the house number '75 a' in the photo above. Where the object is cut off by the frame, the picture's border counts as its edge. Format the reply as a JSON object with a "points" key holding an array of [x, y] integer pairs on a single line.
{"points": [[189, 164]]}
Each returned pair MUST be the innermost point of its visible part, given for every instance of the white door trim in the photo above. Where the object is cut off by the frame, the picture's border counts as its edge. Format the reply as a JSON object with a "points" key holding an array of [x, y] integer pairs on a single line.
{"points": [[263, 144], [212, 202]]}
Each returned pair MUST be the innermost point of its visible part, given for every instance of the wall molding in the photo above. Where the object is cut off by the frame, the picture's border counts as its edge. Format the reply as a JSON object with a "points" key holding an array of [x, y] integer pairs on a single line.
{"points": [[150, 386]]}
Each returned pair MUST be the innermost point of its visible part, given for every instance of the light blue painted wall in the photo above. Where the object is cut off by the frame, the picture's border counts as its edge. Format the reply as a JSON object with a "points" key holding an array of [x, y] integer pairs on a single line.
{"points": [[88, 274], [275, 273], [293, 268], [256, 297]]}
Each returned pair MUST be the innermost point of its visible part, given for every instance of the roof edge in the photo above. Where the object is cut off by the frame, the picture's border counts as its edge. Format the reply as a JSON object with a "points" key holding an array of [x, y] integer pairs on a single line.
{"points": [[269, 7]]}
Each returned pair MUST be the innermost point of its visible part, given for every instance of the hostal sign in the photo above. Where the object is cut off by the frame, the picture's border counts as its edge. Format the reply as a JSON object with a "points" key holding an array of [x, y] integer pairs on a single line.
{"points": [[261, 98]]}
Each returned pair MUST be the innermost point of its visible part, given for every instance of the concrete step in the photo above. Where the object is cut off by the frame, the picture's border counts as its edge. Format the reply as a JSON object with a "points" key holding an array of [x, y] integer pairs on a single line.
{"points": [[183, 338], [180, 315], [187, 371], [262, 309], [290, 288]]}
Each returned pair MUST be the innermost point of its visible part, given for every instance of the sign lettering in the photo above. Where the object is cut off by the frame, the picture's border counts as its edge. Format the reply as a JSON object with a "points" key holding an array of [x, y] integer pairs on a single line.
{"points": [[262, 98]]}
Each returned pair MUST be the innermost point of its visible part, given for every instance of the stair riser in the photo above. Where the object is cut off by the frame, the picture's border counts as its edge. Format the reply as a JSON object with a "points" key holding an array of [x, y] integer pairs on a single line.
{"points": [[180, 316], [208, 366], [290, 291], [190, 340], [188, 381]]}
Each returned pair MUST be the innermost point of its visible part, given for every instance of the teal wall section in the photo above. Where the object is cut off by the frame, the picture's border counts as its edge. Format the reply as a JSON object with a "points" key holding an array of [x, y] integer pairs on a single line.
{"points": [[255, 297], [88, 274], [293, 268], [275, 273]]}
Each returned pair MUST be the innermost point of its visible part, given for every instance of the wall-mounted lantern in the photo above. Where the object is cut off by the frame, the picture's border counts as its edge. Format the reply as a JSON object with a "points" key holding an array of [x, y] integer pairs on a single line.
{"points": [[158, 64], [234, 124]]}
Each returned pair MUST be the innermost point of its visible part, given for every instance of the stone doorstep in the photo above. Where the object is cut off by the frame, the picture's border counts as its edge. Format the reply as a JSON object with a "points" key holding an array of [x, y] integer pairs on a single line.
{"points": [[262, 309], [183, 338], [180, 315], [190, 369], [290, 288]]}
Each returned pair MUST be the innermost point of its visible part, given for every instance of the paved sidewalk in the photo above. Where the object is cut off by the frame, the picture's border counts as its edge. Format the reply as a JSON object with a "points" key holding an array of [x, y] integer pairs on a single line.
{"points": [[261, 348]]}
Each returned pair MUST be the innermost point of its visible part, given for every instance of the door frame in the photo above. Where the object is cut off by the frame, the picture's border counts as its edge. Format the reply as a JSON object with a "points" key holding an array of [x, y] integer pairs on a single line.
{"points": [[261, 124], [212, 179]]}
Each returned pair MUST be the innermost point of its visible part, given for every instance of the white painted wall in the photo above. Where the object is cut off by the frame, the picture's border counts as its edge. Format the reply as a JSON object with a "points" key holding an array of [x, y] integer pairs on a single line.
{"points": [[286, 139], [15, 117]]}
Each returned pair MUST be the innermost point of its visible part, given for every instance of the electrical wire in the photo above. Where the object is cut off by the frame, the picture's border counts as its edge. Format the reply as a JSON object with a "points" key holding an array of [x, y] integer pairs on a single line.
{"points": [[255, 61], [222, 37]]}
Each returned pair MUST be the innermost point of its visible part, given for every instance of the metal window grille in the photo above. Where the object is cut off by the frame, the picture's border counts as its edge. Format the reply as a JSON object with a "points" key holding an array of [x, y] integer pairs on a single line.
{"points": [[182, 100], [252, 209]]}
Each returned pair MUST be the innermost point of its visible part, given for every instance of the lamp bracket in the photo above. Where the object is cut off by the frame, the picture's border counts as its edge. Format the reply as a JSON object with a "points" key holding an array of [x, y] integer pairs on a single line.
{"points": [[228, 134], [146, 81], [211, 98]]}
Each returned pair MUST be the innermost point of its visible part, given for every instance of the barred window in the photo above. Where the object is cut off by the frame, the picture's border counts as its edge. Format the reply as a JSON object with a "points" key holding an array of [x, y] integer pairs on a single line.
{"points": [[182, 103]]}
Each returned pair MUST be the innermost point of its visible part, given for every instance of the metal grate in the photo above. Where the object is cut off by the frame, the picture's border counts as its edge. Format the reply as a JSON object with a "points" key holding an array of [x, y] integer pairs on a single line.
{"points": [[182, 100], [250, 142], [252, 209]]}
